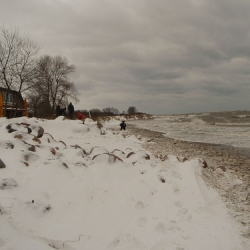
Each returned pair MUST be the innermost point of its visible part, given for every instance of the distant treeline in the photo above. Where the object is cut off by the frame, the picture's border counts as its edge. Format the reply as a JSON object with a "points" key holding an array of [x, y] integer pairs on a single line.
{"points": [[109, 111], [100, 113]]}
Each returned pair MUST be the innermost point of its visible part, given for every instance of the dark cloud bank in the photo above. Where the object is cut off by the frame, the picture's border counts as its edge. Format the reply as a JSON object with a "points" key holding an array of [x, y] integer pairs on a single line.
{"points": [[162, 56]]}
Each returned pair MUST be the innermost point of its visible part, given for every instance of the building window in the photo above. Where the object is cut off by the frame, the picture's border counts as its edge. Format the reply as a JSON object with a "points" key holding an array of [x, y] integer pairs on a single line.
{"points": [[9, 98]]}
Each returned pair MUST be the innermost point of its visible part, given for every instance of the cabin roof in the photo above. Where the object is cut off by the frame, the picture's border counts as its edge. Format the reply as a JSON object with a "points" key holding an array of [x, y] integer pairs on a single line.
{"points": [[9, 90]]}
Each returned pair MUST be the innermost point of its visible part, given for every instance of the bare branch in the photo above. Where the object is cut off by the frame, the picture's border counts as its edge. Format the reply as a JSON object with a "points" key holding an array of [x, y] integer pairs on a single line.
{"points": [[53, 83]]}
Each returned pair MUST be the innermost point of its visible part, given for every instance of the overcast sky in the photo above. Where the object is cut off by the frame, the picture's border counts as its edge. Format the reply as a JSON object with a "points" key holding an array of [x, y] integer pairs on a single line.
{"points": [[161, 56]]}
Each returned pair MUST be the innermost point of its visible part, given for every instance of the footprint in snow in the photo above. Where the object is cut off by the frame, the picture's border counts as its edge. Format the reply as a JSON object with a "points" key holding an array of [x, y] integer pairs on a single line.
{"points": [[2, 242], [142, 222], [178, 204], [126, 241], [176, 189], [173, 226], [160, 228], [182, 211], [139, 205]]}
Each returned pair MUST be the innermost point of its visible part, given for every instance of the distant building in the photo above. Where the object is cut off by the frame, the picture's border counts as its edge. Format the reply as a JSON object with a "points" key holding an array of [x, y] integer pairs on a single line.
{"points": [[12, 104]]}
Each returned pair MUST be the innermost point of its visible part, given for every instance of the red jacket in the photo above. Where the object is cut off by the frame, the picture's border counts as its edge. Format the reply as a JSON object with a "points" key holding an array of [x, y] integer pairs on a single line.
{"points": [[80, 116]]}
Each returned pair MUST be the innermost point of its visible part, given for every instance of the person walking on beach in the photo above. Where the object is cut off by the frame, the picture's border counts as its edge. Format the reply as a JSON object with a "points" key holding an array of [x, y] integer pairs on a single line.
{"points": [[123, 125], [63, 111], [71, 110]]}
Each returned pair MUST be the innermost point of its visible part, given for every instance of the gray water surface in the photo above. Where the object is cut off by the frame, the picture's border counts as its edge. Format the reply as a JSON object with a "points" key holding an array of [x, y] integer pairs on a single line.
{"points": [[227, 128]]}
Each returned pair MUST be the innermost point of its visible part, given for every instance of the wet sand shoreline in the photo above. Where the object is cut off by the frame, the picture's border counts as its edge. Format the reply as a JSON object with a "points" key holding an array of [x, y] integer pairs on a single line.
{"points": [[237, 151], [216, 155], [179, 146]]}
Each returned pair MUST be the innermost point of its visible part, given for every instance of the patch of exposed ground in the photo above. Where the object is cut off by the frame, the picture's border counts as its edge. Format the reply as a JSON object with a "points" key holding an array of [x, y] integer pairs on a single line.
{"points": [[228, 168]]}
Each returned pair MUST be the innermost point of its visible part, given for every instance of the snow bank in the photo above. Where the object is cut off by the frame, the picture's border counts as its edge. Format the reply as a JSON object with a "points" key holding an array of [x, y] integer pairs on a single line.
{"points": [[82, 190]]}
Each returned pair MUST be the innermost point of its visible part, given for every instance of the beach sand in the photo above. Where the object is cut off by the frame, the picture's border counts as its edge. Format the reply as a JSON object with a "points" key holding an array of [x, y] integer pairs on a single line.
{"points": [[228, 168]]}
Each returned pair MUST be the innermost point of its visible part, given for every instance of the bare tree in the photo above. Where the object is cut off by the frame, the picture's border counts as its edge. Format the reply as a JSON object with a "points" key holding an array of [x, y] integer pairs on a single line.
{"points": [[110, 111], [96, 111], [9, 45], [53, 83], [17, 60], [25, 71], [17, 55], [132, 110], [38, 106]]}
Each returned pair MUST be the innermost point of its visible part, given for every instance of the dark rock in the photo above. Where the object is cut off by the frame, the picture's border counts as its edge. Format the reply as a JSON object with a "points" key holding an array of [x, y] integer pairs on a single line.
{"points": [[10, 129], [8, 126], [53, 151], [2, 165], [65, 165], [40, 132], [204, 163], [32, 148], [18, 136], [162, 180], [36, 140], [18, 127], [10, 145], [146, 157], [47, 208], [25, 163]]}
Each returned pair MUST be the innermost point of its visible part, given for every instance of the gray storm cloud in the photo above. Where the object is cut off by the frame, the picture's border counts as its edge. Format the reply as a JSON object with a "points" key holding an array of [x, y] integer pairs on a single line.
{"points": [[162, 56]]}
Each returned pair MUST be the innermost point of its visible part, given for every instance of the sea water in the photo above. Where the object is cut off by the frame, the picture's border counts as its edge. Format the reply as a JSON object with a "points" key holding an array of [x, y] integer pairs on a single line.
{"points": [[227, 128]]}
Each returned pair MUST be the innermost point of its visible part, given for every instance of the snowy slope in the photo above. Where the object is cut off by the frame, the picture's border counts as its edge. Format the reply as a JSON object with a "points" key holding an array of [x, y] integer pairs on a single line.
{"points": [[83, 190]]}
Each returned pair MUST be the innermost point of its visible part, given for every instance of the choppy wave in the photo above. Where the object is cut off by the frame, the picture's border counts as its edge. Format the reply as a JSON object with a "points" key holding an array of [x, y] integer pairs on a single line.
{"points": [[228, 128]]}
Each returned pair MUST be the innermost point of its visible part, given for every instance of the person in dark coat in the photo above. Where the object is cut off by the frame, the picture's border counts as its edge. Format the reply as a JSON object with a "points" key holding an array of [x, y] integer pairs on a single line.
{"points": [[63, 111], [58, 109], [123, 125], [71, 110]]}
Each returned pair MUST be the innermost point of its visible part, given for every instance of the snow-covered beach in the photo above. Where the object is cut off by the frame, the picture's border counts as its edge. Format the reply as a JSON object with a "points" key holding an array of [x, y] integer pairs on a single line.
{"points": [[220, 138], [81, 187]]}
